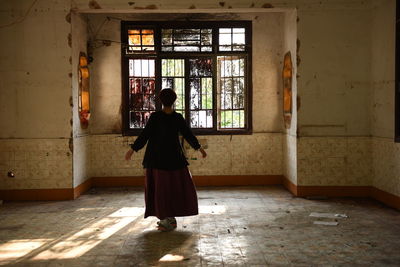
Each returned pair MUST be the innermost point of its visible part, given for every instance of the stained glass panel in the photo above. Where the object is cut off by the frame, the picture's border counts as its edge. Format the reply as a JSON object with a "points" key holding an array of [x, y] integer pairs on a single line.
{"points": [[140, 40], [232, 89], [201, 99], [173, 76], [141, 91], [186, 40]]}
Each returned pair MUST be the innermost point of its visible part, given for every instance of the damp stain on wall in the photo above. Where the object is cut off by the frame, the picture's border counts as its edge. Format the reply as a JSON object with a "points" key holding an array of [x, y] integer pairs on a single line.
{"points": [[267, 5], [298, 59], [68, 17], [69, 39], [94, 5], [147, 7]]}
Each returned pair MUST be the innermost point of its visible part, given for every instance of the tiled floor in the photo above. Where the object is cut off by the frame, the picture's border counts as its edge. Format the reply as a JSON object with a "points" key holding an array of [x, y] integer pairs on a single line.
{"points": [[237, 226]]}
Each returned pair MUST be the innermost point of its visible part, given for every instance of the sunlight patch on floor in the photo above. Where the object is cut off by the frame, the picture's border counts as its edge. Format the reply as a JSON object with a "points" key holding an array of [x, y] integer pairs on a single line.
{"points": [[18, 248], [171, 257], [89, 237]]}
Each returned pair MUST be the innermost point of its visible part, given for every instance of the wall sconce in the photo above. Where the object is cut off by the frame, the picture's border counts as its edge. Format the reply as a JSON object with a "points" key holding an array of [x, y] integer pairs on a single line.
{"points": [[84, 93], [287, 75]]}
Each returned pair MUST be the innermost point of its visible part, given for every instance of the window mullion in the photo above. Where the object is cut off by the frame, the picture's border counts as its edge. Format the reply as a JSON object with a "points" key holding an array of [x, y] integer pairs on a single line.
{"points": [[187, 92], [158, 79], [215, 93], [215, 44]]}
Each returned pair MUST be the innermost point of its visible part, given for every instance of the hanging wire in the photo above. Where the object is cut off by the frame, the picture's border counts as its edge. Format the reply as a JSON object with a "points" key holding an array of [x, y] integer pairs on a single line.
{"points": [[21, 19]]}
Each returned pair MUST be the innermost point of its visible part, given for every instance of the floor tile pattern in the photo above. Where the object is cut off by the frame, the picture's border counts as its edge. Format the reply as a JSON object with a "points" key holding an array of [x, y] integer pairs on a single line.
{"points": [[237, 226]]}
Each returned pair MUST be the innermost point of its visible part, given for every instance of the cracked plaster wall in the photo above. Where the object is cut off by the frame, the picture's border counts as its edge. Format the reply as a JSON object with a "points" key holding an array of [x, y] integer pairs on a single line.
{"points": [[385, 152], [35, 92]]}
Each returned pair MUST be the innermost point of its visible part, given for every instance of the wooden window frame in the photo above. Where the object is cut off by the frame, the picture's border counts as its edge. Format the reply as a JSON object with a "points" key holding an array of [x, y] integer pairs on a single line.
{"points": [[158, 55], [397, 77]]}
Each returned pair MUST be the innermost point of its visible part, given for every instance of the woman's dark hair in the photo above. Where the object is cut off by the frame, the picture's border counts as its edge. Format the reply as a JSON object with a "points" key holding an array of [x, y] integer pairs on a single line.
{"points": [[167, 97]]}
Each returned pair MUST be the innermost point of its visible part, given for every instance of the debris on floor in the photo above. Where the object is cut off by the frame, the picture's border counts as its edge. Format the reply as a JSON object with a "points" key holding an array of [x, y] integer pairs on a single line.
{"points": [[327, 215], [326, 223], [334, 216]]}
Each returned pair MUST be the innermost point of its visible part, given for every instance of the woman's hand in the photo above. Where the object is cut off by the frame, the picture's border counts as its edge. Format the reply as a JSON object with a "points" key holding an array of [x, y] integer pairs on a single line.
{"points": [[203, 152], [129, 154]]}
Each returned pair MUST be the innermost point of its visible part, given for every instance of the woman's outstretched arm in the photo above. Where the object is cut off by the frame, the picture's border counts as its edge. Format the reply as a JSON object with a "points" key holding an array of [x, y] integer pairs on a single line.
{"points": [[142, 139], [189, 136]]}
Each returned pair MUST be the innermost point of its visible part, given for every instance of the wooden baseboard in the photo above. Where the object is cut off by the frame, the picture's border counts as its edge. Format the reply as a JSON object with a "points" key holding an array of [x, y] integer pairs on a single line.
{"points": [[37, 194], [334, 191], [117, 181], [214, 180], [292, 188], [237, 180], [343, 191], [82, 188], [223, 180], [385, 197]]}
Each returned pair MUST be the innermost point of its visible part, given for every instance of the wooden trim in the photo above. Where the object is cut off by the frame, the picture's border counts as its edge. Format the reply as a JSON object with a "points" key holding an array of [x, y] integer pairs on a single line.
{"points": [[37, 194], [212, 180], [82, 188], [235, 180], [291, 187], [328, 191], [385, 197], [334, 191], [117, 181], [343, 191], [215, 180]]}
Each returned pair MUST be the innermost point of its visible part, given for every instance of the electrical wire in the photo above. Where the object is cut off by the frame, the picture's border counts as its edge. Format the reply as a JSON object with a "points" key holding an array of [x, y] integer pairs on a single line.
{"points": [[21, 19]]}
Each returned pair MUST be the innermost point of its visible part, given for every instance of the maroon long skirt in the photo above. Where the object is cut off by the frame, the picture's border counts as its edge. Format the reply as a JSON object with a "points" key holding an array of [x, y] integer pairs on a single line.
{"points": [[170, 193]]}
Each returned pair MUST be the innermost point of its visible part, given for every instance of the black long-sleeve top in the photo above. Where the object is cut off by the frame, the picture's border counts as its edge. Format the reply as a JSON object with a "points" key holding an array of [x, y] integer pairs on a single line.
{"points": [[164, 150]]}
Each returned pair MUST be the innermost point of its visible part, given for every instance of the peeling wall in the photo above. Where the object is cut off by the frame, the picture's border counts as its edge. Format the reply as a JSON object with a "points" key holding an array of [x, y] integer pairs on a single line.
{"points": [[335, 70], [36, 164], [385, 152], [334, 161], [383, 69], [81, 153], [145, 5], [289, 142], [259, 154], [34, 70], [35, 92], [334, 83]]}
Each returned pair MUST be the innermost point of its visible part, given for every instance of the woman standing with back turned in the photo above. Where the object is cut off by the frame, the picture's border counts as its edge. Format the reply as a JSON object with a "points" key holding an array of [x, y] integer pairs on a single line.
{"points": [[169, 188]]}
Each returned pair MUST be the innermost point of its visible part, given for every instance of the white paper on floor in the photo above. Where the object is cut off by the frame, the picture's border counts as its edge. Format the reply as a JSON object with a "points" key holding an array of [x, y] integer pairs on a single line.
{"points": [[327, 215], [326, 223]]}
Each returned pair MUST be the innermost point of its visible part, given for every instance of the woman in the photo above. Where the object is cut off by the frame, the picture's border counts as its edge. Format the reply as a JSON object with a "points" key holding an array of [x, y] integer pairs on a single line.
{"points": [[169, 188]]}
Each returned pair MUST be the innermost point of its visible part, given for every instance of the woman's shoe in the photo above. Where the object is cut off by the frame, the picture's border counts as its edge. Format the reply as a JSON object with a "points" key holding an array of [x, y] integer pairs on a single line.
{"points": [[167, 224]]}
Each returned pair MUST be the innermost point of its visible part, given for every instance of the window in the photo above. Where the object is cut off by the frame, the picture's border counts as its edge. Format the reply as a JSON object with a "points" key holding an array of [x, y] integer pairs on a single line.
{"points": [[207, 64]]}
